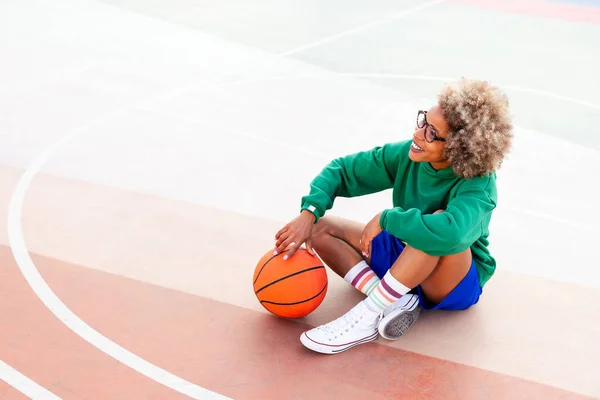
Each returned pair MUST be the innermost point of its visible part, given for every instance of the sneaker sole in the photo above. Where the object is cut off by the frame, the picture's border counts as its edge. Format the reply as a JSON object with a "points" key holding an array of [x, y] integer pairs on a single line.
{"points": [[394, 325], [325, 349]]}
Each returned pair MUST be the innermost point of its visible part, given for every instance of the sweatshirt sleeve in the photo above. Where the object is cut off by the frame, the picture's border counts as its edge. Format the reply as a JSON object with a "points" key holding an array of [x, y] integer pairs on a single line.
{"points": [[354, 175], [450, 232]]}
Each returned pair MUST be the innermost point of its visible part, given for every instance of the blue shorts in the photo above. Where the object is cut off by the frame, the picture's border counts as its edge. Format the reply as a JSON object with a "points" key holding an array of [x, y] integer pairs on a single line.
{"points": [[386, 248]]}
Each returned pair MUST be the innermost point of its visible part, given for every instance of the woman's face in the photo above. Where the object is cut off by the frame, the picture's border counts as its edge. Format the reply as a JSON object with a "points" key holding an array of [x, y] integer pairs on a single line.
{"points": [[426, 146]]}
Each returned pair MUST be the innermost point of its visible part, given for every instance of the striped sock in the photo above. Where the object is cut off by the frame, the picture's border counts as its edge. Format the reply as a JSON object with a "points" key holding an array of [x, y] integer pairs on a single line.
{"points": [[362, 277], [387, 292]]}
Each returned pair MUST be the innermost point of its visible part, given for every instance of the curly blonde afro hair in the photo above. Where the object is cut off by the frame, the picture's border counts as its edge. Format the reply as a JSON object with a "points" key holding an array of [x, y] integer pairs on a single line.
{"points": [[480, 126]]}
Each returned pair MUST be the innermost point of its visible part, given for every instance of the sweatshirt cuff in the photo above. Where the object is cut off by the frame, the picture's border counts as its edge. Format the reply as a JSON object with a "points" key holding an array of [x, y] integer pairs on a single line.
{"points": [[313, 209], [384, 219]]}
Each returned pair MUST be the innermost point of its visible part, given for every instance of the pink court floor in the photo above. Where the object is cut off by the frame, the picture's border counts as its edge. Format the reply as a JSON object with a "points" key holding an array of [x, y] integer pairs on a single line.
{"points": [[150, 152]]}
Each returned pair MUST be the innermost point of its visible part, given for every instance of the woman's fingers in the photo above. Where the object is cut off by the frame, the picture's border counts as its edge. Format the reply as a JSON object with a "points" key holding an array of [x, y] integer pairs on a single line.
{"points": [[293, 247], [284, 244], [281, 232], [363, 245], [280, 243], [309, 247]]}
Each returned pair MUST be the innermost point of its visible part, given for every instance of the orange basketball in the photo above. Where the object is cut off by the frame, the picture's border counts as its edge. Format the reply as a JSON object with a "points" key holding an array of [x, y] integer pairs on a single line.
{"points": [[290, 288]]}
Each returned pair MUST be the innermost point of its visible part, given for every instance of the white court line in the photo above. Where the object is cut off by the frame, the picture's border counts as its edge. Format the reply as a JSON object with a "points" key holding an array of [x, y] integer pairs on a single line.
{"points": [[235, 132], [49, 298], [351, 32], [23, 384], [408, 77], [56, 306]]}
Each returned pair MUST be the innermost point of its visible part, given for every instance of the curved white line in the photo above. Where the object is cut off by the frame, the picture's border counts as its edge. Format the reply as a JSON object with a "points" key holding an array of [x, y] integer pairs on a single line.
{"points": [[23, 384], [57, 307]]}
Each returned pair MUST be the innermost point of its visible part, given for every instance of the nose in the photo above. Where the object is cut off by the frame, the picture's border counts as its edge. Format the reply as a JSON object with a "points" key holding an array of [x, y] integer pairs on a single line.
{"points": [[419, 133]]}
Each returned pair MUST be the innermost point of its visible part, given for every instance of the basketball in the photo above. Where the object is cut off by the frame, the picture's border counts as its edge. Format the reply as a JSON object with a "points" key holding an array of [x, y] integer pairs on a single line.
{"points": [[291, 288]]}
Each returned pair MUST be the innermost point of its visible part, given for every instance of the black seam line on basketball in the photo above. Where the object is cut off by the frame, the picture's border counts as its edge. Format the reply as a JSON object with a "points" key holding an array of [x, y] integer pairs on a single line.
{"points": [[265, 264], [298, 302], [288, 276]]}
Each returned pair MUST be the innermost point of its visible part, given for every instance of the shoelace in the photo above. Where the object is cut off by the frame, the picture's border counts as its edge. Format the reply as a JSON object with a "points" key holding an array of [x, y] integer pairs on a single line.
{"points": [[342, 322]]}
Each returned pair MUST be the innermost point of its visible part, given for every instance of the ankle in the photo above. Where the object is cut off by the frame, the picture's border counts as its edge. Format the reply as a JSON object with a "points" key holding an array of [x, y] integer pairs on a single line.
{"points": [[362, 277], [388, 291]]}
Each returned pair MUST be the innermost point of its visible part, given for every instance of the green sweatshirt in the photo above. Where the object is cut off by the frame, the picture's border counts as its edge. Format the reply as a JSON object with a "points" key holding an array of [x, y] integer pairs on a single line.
{"points": [[418, 191]]}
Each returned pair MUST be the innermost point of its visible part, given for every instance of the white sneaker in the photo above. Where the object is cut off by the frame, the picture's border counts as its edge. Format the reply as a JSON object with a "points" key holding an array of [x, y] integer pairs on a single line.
{"points": [[399, 317], [357, 326]]}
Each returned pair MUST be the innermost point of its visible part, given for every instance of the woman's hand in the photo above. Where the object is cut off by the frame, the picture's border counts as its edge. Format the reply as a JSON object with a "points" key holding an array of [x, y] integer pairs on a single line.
{"points": [[294, 234], [371, 230]]}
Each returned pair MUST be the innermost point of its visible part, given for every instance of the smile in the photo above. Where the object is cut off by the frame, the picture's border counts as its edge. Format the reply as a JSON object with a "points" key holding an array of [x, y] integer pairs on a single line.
{"points": [[414, 147]]}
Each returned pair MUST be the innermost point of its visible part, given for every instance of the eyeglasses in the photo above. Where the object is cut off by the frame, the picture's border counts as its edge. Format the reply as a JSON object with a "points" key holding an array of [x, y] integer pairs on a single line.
{"points": [[430, 133]]}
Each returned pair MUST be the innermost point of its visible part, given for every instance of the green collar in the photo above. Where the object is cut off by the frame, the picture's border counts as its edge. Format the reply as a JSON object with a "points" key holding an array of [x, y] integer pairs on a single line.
{"points": [[442, 173]]}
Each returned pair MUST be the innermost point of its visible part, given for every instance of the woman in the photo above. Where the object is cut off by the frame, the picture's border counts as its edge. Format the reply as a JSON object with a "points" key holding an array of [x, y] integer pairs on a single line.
{"points": [[430, 250]]}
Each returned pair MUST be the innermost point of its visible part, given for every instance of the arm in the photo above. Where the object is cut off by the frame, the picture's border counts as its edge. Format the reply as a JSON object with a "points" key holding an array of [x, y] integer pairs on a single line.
{"points": [[451, 231], [353, 175]]}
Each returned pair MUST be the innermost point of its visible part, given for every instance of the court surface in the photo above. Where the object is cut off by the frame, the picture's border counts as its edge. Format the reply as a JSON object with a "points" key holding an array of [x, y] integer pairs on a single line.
{"points": [[150, 150]]}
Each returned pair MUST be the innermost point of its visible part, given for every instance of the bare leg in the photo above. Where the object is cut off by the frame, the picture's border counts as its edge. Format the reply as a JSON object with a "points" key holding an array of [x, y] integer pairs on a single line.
{"points": [[438, 276], [337, 242]]}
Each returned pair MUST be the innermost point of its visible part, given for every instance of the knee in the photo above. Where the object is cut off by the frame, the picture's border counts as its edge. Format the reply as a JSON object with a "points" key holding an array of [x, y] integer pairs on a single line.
{"points": [[439, 211], [321, 231], [416, 254]]}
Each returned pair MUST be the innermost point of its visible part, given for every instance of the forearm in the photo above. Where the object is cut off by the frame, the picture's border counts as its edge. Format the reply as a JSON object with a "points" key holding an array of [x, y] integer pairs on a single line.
{"points": [[351, 176]]}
